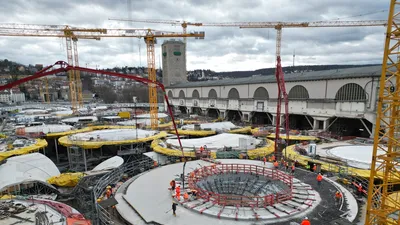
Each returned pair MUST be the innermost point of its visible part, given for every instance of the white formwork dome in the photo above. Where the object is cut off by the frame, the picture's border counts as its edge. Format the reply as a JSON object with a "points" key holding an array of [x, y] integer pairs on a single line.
{"points": [[27, 168], [50, 128], [359, 156], [110, 163], [147, 116], [112, 135], [219, 141], [221, 126]]}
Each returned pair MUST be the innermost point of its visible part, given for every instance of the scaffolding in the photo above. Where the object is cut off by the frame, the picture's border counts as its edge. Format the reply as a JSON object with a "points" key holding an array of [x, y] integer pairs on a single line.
{"points": [[77, 158]]}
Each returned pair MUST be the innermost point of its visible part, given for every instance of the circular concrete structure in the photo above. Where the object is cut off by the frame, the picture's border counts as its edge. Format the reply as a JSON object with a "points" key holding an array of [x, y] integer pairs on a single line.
{"points": [[230, 185], [358, 156], [98, 138], [259, 195]]}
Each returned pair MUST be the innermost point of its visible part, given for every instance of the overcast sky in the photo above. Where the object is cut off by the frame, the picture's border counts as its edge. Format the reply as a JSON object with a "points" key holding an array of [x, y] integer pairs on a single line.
{"points": [[223, 49]]}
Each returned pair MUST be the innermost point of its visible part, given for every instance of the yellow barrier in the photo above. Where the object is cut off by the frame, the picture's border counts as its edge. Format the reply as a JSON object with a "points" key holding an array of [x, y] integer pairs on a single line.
{"points": [[253, 154], [295, 137], [40, 143], [294, 155], [243, 130], [263, 151], [66, 179], [65, 141], [170, 152], [3, 136], [7, 197], [198, 133]]}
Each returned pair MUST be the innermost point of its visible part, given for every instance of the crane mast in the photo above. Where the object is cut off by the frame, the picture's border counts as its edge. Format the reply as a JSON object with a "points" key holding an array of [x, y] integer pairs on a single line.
{"points": [[383, 205], [72, 35]]}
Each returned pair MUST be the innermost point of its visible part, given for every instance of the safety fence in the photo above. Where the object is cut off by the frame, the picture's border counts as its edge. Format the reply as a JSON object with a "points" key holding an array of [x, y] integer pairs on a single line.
{"points": [[241, 200]]}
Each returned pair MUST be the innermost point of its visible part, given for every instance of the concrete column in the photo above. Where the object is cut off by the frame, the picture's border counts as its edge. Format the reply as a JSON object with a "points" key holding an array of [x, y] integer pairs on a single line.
{"points": [[315, 124], [274, 120], [326, 124], [245, 117], [373, 131]]}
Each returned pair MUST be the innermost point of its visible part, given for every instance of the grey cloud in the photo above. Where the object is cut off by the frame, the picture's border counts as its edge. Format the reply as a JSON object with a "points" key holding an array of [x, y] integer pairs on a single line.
{"points": [[223, 48]]}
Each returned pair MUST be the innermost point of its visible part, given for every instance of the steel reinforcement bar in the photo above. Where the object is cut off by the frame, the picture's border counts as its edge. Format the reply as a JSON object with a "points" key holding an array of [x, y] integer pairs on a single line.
{"points": [[246, 201]]}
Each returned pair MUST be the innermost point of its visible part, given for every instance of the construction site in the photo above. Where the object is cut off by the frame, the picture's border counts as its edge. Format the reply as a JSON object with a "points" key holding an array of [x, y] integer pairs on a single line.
{"points": [[259, 150]]}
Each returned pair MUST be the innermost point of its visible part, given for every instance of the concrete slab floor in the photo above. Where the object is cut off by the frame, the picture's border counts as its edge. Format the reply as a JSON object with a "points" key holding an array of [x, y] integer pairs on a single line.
{"points": [[150, 197]]}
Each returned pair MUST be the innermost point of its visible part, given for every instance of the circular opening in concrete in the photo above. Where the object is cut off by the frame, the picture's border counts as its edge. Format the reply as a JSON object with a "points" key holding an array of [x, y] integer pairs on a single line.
{"points": [[241, 185]]}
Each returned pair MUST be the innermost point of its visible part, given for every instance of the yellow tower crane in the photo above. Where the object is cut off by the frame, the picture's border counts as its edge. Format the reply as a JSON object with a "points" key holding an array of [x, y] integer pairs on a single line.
{"points": [[149, 35], [62, 31], [383, 204], [276, 25]]}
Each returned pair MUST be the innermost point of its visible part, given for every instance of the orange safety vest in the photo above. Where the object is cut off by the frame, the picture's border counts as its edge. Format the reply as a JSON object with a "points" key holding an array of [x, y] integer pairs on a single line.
{"points": [[264, 159], [276, 164], [338, 195], [319, 177], [273, 158], [360, 188], [293, 167], [185, 196], [201, 148], [305, 222]]}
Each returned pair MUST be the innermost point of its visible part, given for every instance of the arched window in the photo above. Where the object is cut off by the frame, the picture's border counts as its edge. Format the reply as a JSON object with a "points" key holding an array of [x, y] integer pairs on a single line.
{"points": [[298, 92], [212, 94], [181, 94], [195, 94], [351, 92], [261, 94], [233, 94], [170, 95]]}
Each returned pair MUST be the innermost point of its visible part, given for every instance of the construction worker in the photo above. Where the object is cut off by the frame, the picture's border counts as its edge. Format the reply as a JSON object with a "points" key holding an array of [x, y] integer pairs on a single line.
{"points": [[314, 168], [359, 190], [174, 204], [201, 149], [338, 197], [276, 164], [155, 164], [178, 192], [286, 165], [186, 196], [319, 179], [305, 221], [293, 168], [307, 167], [265, 160], [109, 192], [193, 192], [172, 184], [273, 158]]}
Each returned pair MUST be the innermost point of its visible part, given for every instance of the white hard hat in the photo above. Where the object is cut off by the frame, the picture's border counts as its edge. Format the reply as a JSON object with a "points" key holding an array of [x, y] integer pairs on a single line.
{"points": [[306, 218]]}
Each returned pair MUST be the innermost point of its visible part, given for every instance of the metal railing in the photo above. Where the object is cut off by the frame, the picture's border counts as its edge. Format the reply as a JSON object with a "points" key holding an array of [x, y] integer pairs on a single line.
{"points": [[131, 169], [240, 200]]}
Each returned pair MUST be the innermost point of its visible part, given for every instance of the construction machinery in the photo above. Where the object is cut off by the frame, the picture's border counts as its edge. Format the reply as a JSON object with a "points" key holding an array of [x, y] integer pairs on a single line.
{"points": [[383, 205], [73, 34], [62, 31], [282, 94]]}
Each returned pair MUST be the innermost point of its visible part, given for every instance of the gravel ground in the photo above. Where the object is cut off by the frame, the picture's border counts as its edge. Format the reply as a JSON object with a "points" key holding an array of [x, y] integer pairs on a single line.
{"points": [[326, 211]]}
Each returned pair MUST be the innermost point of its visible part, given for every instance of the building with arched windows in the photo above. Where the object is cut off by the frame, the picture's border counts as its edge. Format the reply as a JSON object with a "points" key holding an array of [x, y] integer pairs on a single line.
{"points": [[342, 101]]}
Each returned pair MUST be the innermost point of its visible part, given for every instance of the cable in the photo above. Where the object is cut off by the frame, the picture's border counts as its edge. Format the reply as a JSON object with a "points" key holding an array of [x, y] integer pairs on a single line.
{"points": [[359, 15]]}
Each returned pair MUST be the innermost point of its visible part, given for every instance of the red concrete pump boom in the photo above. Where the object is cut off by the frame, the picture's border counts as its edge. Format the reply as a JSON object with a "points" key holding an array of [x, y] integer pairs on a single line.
{"points": [[280, 80], [65, 67]]}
